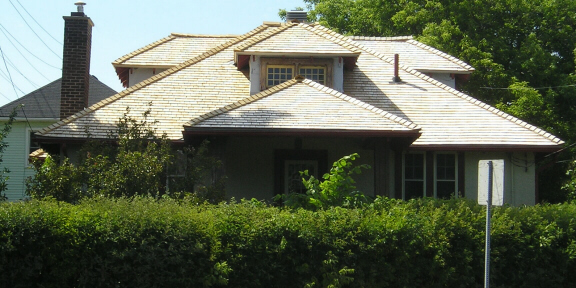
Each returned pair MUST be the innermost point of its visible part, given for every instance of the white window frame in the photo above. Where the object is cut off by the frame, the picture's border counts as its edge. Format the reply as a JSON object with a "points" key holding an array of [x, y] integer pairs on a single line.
{"points": [[436, 180], [404, 173]]}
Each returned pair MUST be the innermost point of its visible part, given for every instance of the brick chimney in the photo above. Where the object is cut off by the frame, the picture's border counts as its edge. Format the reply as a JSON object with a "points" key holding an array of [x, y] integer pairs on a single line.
{"points": [[76, 62]]}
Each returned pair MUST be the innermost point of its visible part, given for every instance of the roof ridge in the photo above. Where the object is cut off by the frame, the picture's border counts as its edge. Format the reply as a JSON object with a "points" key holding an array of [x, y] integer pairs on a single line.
{"points": [[382, 38], [143, 49], [469, 98], [331, 35], [359, 103], [242, 102], [275, 30], [153, 79], [441, 54], [186, 35]]}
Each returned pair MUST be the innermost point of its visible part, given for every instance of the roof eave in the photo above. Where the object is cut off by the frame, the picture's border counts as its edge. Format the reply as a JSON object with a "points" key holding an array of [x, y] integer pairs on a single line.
{"points": [[195, 131], [487, 147]]}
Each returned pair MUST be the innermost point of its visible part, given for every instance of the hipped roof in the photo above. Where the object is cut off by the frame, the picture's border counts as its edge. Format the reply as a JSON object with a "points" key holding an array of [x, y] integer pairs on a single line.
{"points": [[211, 82]]}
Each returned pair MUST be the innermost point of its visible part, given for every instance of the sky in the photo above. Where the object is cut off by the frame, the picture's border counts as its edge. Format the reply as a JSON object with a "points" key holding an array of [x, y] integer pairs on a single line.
{"points": [[31, 33]]}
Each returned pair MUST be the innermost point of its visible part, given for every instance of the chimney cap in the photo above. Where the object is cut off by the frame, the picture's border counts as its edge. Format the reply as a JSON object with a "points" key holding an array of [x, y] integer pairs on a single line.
{"points": [[80, 6]]}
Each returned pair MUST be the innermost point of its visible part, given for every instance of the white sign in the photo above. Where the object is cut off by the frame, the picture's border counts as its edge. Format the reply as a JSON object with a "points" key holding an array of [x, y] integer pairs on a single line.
{"points": [[497, 182]]}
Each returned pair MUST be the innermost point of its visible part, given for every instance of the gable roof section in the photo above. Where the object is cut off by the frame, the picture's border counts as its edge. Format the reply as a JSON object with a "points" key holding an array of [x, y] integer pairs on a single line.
{"points": [[172, 50], [294, 38], [303, 105], [415, 54], [45, 101]]}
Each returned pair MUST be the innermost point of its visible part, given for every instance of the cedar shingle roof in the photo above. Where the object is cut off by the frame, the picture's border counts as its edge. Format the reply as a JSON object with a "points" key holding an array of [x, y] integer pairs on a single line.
{"points": [[305, 105], [415, 54], [202, 92]]}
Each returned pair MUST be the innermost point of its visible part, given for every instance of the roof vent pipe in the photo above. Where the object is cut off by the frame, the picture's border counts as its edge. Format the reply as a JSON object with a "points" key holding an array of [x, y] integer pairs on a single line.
{"points": [[396, 78], [299, 16]]}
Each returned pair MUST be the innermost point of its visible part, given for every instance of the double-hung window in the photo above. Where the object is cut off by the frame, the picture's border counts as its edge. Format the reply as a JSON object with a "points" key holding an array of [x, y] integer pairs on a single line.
{"points": [[446, 174], [414, 176]]}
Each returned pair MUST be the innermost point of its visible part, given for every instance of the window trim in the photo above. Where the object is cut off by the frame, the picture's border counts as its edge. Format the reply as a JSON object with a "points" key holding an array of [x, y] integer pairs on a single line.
{"points": [[424, 186], [313, 67], [28, 140], [456, 171], [327, 63]]}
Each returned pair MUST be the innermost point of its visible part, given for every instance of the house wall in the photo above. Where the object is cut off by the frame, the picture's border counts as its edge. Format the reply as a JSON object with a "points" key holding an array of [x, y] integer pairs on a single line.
{"points": [[249, 162], [519, 176], [138, 75], [444, 78], [15, 157]]}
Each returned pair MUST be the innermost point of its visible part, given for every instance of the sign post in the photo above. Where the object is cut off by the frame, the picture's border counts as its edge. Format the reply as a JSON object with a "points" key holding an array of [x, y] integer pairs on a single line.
{"points": [[488, 169]]}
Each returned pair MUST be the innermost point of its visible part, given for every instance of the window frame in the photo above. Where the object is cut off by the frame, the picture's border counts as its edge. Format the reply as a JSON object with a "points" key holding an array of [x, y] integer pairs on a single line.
{"points": [[312, 162], [280, 73], [404, 180], [29, 132], [456, 171], [313, 67], [296, 63]]}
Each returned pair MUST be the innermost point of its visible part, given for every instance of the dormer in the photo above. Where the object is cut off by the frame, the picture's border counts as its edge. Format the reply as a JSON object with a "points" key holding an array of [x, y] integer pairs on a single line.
{"points": [[283, 52]]}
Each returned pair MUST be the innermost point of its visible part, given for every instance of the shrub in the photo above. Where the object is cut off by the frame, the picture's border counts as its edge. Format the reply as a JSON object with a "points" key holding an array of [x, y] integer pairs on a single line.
{"points": [[144, 242]]}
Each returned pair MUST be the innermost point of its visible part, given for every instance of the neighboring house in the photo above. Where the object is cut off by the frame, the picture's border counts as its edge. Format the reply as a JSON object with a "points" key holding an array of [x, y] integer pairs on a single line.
{"points": [[286, 97], [45, 106]]}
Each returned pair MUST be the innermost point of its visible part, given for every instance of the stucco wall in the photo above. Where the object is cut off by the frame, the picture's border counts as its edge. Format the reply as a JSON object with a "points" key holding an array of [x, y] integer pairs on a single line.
{"points": [[519, 176], [445, 78], [250, 163], [15, 157], [140, 74]]}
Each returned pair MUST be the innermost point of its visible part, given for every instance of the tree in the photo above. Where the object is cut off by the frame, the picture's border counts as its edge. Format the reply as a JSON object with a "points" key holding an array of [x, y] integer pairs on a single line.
{"points": [[133, 161], [3, 145], [523, 52]]}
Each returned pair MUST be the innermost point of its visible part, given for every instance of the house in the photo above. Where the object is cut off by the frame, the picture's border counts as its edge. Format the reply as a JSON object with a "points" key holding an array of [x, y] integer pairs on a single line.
{"points": [[45, 106], [286, 97]]}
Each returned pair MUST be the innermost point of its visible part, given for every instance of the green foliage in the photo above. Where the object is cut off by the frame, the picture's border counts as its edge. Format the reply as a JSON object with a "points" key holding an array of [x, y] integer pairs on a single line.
{"points": [[3, 145], [145, 242], [134, 161], [336, 189], [523, 49]]}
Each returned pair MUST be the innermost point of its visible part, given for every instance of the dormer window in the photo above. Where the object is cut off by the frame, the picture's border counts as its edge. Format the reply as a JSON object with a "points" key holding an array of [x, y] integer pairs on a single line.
{"points": [[278, 74], [314, 73], [278, 70]]}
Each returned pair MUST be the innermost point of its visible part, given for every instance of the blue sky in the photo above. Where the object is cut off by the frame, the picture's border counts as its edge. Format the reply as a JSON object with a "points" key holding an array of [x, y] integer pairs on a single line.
{"points": [[120, 28]]}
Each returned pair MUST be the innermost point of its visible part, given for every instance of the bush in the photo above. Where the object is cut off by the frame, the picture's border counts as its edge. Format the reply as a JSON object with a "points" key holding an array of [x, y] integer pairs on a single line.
{"points": [[142, 242]]}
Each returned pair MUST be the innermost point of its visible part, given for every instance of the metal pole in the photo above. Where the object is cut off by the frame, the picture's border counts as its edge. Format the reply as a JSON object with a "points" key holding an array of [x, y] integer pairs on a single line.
{"points": [[488, 225]]}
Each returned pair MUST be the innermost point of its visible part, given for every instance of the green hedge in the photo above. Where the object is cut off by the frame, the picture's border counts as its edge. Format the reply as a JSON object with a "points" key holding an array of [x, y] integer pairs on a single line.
{"points": [[149, 243]]}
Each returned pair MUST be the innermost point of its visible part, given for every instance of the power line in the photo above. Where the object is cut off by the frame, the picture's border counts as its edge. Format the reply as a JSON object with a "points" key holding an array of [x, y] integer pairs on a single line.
{"points": [[26, 59], [19, 72], [528, 88], [40, 59], [33, 30], [10, 76], [38, 23]]}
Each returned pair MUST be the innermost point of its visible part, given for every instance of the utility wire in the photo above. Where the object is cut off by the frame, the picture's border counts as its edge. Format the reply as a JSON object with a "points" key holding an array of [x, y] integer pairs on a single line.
{"points": [[33, 30], [19, 72], [525, 88], [40, 59], [39, 23], [20, 52], [10, 76]]}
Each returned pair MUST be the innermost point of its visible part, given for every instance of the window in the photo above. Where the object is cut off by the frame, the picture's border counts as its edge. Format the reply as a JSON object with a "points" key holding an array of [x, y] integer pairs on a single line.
{"points": [[275, 71], [446, 175], [314, 73], [293, 182], [277, 74], [414, 175]]}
